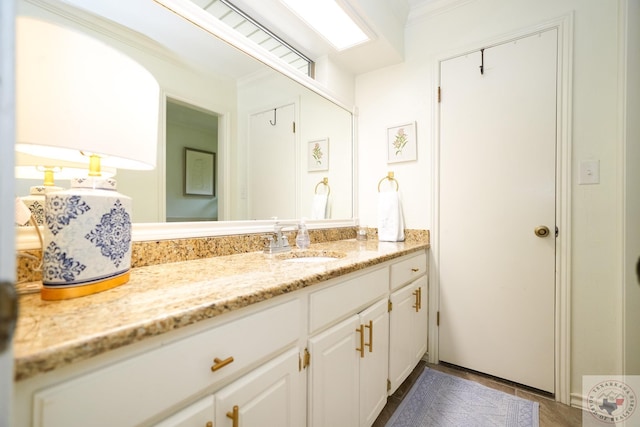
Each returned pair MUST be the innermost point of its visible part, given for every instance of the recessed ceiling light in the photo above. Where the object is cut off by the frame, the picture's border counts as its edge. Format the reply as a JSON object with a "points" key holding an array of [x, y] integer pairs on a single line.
{"points": [[330, 20]]}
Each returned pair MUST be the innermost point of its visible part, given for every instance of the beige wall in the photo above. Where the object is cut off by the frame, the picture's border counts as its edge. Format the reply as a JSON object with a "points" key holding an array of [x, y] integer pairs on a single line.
{"points": [[406, 92]]}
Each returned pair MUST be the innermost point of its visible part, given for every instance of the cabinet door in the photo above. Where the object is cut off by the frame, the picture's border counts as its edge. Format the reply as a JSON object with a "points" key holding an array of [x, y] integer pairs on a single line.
{"points": [[200, 414], [334, 376], [272, 395], [374, 362], [408, 330]]}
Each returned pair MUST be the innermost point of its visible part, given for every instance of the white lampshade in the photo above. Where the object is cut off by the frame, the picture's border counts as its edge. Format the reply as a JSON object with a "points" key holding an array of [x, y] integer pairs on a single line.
{"points": [[78, 97], [75, 93]]}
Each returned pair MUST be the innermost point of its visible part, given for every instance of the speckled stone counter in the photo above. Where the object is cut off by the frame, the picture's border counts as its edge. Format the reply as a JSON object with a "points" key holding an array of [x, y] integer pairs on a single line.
{"points": [[163, 297]]}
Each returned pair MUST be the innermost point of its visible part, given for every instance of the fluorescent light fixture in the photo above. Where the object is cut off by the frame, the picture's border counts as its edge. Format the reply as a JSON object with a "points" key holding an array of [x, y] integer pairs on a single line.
{"points": [[330, 20]]}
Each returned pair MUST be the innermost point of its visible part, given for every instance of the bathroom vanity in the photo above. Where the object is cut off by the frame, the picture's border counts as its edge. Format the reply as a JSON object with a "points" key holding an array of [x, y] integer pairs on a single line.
{"points": [[241, 340]]}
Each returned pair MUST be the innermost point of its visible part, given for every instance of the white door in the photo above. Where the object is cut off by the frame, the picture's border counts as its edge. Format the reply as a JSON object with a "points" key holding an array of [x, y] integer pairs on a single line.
{"points": [[272, 175], [7, 227], [334, 376], [374, 362], [497, 184], [408, 330], [271, 395]]}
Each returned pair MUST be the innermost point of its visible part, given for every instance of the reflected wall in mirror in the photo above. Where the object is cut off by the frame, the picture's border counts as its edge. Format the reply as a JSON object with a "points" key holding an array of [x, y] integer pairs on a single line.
{"points": [[257, 177]]}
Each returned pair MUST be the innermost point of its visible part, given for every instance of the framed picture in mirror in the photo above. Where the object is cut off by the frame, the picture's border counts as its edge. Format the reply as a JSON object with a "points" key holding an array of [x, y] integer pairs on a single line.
{"points": [[199, 172], [318, 155]]}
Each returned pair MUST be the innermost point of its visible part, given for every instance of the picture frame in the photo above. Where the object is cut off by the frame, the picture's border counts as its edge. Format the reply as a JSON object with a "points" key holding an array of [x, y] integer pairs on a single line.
{"points": [[402, 143], [199, 172], [318, 155]]}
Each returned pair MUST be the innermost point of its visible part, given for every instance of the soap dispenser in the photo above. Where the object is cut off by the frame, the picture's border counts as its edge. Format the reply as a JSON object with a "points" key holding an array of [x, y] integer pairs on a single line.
{"points": [[302, 239]]}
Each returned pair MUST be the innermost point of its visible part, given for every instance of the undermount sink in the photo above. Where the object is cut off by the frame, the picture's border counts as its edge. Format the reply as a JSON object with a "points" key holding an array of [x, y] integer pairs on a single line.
{"points": [[311, 259], [311, 256]]}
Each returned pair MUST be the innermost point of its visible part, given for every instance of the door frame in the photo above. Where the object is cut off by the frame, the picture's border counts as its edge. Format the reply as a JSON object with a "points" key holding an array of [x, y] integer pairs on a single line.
{"points": [[7, 185], [562, 358]]}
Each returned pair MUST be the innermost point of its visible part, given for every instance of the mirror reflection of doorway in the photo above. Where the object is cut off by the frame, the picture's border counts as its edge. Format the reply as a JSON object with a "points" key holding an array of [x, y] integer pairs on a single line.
{"points": [[188, 127], [272, 187]]}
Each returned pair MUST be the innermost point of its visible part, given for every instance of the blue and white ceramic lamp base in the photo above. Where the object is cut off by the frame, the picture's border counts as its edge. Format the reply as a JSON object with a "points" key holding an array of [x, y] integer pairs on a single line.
{"points": [[35, 202], [87, 239]]}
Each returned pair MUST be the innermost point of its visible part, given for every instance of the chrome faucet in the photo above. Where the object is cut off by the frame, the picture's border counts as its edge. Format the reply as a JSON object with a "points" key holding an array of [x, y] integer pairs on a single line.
{"points": [[279, 242]]}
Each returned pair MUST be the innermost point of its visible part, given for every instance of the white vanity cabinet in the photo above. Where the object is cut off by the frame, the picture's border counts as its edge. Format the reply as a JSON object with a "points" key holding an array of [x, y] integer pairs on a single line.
{"points": [[362, 331], [349, 360], [408, 317], [142, 387], [271, 395]]}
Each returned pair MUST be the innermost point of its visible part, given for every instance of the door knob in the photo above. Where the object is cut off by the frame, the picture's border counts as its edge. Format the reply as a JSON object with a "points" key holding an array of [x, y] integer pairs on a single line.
{"points": [[541, 231]]}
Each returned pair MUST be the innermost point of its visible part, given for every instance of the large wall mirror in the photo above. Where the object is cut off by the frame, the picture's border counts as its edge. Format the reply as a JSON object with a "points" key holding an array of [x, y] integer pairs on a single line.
{"points": [[262, 126]]}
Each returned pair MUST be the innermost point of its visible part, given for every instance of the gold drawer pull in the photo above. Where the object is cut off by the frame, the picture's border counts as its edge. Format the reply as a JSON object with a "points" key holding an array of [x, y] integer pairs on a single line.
{"points": [[217, 363], [370, 326], [209, 424], [234, 416], [360, 330], [415, 270]]}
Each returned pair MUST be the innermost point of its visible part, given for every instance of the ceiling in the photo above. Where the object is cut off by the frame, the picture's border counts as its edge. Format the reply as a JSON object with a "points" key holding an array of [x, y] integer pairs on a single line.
{"points": [[384, 19]]}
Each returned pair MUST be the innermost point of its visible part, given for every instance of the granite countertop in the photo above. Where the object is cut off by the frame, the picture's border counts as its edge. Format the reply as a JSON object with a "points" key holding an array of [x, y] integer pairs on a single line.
{"points": [[161, 298]]}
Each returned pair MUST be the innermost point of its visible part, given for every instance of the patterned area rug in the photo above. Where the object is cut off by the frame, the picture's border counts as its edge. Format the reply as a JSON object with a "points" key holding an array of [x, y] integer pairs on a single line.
{"points": [[438, 399]]}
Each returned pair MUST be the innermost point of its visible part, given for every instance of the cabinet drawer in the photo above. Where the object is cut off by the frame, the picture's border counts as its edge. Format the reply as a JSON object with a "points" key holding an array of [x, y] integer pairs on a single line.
{"points": [[347, 297], [408, 269], [130, 392]]}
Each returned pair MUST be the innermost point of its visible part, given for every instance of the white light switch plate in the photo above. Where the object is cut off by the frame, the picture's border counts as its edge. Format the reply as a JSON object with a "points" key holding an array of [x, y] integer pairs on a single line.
{"points": [[589, 172]]}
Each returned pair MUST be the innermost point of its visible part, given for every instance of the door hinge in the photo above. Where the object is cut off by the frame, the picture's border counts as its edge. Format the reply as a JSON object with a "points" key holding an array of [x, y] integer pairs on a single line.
{"points": [[389, 306], [438, 318], [439, 94], [388, 384], [557, 231], [294, 127]]}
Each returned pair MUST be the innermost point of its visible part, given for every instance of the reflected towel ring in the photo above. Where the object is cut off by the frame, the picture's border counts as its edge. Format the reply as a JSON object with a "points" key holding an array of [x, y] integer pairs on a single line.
{"points": [[390, 178], [325, 182]]}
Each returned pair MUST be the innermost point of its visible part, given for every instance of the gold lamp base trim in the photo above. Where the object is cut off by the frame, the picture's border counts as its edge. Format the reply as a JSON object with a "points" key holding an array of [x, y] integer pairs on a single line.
{"points": [[52, 294]]}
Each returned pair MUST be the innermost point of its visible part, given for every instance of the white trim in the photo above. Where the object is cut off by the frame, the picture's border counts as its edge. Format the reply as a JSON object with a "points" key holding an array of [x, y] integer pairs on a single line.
{"points": [[622, 130], [564, 24]]}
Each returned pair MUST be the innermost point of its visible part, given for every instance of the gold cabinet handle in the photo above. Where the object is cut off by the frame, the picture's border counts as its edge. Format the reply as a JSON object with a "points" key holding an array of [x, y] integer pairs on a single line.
{"points": [[370, 326], [209, 424], [416, 293], [360, 330], [234, 415], [420, 298], [217, 363], [415, 270]]}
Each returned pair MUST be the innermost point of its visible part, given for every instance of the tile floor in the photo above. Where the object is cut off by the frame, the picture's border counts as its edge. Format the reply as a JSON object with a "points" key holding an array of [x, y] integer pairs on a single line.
{"points": [[552, 413]]}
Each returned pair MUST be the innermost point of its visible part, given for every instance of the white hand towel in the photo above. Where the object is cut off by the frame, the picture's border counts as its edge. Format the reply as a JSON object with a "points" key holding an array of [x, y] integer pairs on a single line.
{"points": [[390, 220], [319, 206]]}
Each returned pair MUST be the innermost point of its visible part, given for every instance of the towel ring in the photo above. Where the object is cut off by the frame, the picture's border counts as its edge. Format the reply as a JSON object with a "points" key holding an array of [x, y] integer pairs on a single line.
{"points": [[390, 178], [325, 182]]}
